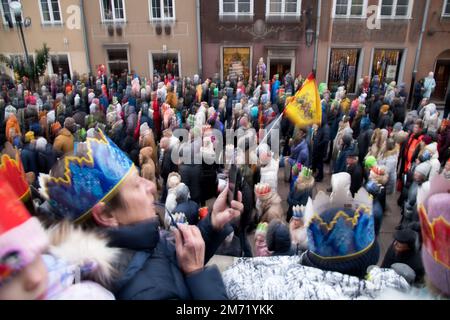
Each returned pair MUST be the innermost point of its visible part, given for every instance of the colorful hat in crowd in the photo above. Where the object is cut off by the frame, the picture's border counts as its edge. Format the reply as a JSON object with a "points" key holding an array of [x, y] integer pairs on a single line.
{"points": [[92, 174], [341, 232], [22, 237], [434, 213], [11, 171]]}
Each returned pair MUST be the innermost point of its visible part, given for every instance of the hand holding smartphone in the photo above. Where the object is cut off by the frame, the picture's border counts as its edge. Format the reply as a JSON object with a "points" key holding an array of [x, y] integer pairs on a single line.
{"points": [[233, 184]]}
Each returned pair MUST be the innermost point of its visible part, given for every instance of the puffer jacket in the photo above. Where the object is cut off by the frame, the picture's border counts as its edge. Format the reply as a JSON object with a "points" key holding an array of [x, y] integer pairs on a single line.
{"points": [[149, 269]]}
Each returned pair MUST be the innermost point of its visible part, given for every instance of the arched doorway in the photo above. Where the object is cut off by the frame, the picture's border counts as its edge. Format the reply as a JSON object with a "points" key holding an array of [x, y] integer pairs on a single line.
{"points": [[442, 76]]}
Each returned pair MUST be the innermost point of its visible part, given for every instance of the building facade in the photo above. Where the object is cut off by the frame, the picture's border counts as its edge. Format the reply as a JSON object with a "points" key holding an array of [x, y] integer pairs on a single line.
{"points": [[381, 37], [143, 37], [55, 22], [236, 34]]}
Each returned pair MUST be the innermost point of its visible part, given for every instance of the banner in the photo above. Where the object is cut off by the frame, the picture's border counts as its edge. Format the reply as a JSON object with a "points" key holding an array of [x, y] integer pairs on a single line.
{"points": [[304, 109]]}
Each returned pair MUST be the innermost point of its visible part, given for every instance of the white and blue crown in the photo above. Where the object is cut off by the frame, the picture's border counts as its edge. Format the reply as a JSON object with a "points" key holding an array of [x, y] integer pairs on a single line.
{"points": [[340, 226]]}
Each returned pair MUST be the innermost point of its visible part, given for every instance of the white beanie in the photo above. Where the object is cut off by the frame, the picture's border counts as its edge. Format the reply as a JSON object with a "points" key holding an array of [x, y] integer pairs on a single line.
{"points": [[41, 143]]}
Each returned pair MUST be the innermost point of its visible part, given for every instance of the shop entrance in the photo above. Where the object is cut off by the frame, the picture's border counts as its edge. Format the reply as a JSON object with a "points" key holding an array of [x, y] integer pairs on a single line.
{"points": [[280, 67]]}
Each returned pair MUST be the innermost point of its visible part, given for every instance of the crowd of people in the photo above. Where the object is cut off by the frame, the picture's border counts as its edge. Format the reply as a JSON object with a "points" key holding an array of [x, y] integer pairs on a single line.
{"points": [[94, 205]]}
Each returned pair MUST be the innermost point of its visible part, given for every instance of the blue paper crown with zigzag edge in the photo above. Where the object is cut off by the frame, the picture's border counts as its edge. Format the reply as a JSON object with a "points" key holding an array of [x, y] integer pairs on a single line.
{"points": [[340, 226], [92, 174]]}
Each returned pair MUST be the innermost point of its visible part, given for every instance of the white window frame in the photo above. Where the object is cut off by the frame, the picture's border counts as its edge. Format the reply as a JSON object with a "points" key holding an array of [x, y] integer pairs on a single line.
{"points": [[114, 19], [349, 7], [52, 19], [236, 12], [445, 15], [150, 11], [13, 18], [394, 10], [297, 13]]}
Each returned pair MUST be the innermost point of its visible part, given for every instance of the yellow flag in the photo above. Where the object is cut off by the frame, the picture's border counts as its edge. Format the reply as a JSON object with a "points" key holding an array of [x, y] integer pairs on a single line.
{"points": [[305, 109]]}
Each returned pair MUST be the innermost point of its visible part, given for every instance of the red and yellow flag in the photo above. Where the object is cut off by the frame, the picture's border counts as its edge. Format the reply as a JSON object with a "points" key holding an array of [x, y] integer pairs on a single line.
{"points": [[305, 109]]}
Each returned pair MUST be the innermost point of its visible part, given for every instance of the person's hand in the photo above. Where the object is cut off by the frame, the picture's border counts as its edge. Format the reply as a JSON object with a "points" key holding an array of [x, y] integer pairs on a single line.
{"points": [[190, 248], [222, 214]]}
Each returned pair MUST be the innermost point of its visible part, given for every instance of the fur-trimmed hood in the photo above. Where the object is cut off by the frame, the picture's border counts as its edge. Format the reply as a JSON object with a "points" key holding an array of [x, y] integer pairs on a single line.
{"points": [[84, 248]]}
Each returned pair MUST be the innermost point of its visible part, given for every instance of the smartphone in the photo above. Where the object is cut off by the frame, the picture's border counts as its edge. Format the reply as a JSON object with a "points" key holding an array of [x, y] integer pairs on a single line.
{"points": [[233, 184]]}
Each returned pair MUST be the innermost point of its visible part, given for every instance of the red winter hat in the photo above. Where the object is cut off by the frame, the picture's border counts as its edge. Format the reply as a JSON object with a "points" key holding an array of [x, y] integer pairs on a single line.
{"points": [[22, 237]]}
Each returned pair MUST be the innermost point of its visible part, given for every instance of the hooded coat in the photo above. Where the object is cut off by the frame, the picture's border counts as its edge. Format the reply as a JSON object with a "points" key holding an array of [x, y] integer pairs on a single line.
{"points": [[73, 250], [63, 142]]}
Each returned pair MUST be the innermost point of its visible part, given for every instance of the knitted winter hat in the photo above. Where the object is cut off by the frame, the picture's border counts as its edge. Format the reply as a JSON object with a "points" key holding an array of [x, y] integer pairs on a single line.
{"points": [[427, 139], [278, 237], [384, 108], [398, 127], [365, 123], [22, 237], [29, 136]]}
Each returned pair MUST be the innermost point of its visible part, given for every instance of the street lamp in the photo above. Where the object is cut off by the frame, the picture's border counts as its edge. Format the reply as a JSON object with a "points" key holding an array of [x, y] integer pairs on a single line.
{"points": [[309, 37], [309, 32], [16, 8]]}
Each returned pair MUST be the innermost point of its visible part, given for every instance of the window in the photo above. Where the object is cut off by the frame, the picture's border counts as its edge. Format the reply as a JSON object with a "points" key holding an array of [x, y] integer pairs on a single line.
{"points": [[395, 8], [350, 8], [446, 10], [50, 11], [162, 9], [113, 10], [386, 64], [117, 61], [236, 7], [343, 69], [283, 7], [7, 13]]}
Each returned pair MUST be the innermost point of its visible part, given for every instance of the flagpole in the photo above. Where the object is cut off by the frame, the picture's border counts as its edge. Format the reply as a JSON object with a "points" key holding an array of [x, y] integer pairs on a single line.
{"points": [[267, 134]]}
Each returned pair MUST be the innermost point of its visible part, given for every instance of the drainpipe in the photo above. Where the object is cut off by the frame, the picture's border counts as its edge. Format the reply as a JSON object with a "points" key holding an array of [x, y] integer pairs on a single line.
{"points": [[85, 38], [419, 49], [199, 40], [316, 45]]}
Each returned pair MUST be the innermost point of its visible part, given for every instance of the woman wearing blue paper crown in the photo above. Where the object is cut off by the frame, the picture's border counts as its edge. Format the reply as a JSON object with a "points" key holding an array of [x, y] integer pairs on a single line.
{"points": [[99, 187]]}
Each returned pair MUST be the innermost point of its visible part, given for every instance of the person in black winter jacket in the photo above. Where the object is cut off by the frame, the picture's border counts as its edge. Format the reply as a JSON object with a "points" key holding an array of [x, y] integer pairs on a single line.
{"points": [[404, 250], [375, 108], [355, 170], [348, 148], [154, 265], [364, 138], [319, 144]]}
